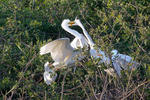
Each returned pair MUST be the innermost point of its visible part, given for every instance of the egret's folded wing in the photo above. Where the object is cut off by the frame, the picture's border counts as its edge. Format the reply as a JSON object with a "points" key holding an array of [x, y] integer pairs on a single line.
{"points": [[50, 47]]}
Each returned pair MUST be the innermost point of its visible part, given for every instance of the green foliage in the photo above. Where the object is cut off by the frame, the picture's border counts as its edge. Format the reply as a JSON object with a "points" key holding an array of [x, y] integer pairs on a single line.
{"points": [[25, 25]]}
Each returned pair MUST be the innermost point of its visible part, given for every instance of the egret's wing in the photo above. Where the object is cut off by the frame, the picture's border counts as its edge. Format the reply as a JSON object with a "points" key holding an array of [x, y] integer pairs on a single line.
{"points": [[62, 52], [99, 54], [59, 49], [53, 45], [104, 57], [94, 53], [117, 67], [125, 57], [125, 63]]}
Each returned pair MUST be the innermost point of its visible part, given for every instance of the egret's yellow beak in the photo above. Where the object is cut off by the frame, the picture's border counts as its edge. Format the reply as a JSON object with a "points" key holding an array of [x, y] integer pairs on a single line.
{"points": [[71, 23]]}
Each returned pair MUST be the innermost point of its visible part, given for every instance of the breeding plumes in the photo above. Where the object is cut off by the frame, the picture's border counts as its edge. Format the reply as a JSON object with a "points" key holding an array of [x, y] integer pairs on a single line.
{"points": [[122, 62]]}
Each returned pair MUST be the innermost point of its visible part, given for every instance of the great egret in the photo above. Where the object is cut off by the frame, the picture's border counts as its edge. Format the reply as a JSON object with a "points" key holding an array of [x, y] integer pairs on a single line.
{"points": [[94, 53], [122, 61], [62, 51]]}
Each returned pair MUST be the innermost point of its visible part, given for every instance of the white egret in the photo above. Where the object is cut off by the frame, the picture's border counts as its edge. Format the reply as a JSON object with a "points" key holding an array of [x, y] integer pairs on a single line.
{"points": [[61, 49], [121, 61], [94, 53]]}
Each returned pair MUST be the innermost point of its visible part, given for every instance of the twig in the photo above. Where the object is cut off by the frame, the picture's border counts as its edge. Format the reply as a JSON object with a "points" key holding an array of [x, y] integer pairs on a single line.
{"points": [[135, 89], [140, 45], [45, 96], [129, 80], [92, 89], [104, 88], [62, 87], [69, 90], [84, 90]]}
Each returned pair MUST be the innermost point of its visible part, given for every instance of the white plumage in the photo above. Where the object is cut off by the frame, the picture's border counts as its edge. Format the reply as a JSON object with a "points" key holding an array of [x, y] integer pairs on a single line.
{"points": [[60, 50], [121, 61], [95, 53], [49, 75], [80, 41]]}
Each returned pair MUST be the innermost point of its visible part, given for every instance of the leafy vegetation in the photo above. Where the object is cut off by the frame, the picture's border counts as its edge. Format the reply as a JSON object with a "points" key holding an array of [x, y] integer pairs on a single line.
{"points": [[25, 25]]}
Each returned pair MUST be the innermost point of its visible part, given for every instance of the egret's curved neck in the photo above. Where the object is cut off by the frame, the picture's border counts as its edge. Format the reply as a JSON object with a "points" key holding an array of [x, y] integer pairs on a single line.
{"points": [[90, 41], [71, 31]]}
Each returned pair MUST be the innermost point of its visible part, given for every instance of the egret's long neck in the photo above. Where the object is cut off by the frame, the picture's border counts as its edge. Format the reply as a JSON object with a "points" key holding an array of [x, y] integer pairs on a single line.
{"points": [[90, 41], [71, 31]]}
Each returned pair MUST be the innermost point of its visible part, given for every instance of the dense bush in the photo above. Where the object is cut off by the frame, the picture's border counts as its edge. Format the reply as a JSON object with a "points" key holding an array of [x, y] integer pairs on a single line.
{"points": [[25, 25]]}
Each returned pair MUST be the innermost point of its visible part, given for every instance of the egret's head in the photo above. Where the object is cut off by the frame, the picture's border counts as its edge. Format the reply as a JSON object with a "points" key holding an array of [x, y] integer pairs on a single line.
{"points": [[67, 22], [114, 52]]}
